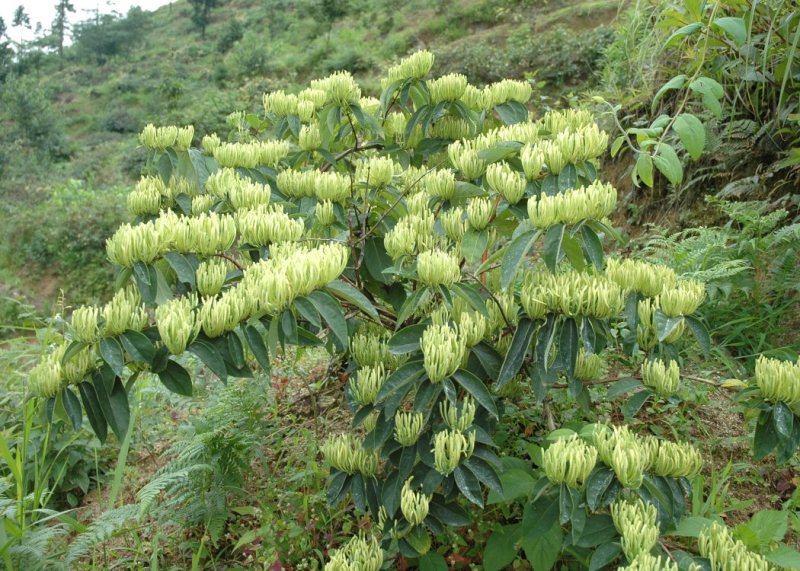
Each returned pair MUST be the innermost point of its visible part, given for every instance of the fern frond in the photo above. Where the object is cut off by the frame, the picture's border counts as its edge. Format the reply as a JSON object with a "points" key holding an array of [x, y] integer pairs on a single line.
{"points": [[104, 527]]}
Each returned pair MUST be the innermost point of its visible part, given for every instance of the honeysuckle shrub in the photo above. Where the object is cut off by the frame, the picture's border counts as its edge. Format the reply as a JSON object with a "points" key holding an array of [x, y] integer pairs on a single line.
{"points": [[446, 246]]}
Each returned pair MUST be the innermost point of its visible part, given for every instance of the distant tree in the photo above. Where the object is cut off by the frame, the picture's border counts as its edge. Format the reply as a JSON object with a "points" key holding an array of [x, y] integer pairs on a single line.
{"points": [[201, 10], [6, 52], [332, 10], [106, 36], [59, 28], [21, 18]]}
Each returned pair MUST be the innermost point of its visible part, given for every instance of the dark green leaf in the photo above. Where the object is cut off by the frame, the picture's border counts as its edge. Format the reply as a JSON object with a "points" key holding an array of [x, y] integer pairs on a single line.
{"points": [[93, 411], [176, 379], [474, 245], [544, 550], [592, 246], [622, 387], [350, 294], [73, 407], [512, 112], [692, 134], [114, 405], [73, 349], [596, 485], [700, 333], [765, 438], [474, 386], [402, 377], [568, 346], [469, 485], [604, 555], [257, 346], [634, 403], [567, 178], [112, 353], [308, 311], [407, 339], [515, 254], [501, 550], [552, 246], [450, 514], [598, 530], [138, 346], [520, 344], [146, 281], [485, 473], [539, 517], [211, 357], [332, 312], [472, 297], [783, 419], [432, 562]]}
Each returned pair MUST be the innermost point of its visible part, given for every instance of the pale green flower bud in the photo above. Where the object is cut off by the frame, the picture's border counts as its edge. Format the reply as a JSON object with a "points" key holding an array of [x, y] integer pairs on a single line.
{"points": [[417, 204], [415, 66], [573, 119], [84, 326], [124, 311], [676, 460], [646, 333], [480, 212], [414, 505], [506, 181], [472, 327], [371, 421], [357, 555], [619, 449], [131, 244], [532, 161], [394, 126], [572, 294], [367, 382], [642, 277], [637, 522], [235, 155], [369, 348], [593, 202], [316, 96], [375, 172], [408, 427], [332, 186], [662, 378], [270, 153], [454, 224], [440, 183], [339, 87], [221, 181], [436, 267], [447, 88], [589, 367], [682, 299], [264, 225], [297, 184], [450, 127], [592, 142], [725, 553], [324, 213], [310, 138], [158, 138], [210, 276], [442, 351], [219, 315], [248, 194], [146, 197], [647, 562], [340, 452], [370, 106], [569, 461], [210, 143], [553, 155], [280, 104], [534, 301], [177, 324], [305, 111], [466, 160], [477, 100], [78, 366], [202, 203], [208, 234], [458, 418], [510, 90], [507, 307], [778, 380], [45, 378], [184, 138], [449, 446], [526, 132]]}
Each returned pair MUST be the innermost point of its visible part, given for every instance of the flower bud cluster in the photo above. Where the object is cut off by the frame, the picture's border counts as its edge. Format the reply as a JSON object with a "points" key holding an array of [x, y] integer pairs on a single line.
{"points": [[436, 267], [647, 562], [297, 184], [210, 143], [146, 197], [210, 276], [339, 87], [414, 505], [662, 378], [310, 138], [623, 452], [526, 132], [440, 183], [415, 66], [139, 243], [510, 90], [178, 323], [464, 157], [347, 454], [268, 224], [472, 327], [442, 351], [569, 461], [84, 325], [317, 97], [647, 328], [357, 555], [589, 366], [476, 99], [364, 386], [375, 172], [408, 427], [480, 212], [453, 224], [458, 417], [637, 522], [160, 138], [206, 234], [50, 375], [124, 311], [447, 88], [682, 299], [568, 119], [332, 186], [642, 277], [234, 155], [501, 307], [280, 104], [412, 232], [593, 202], [370, 347], [726, 553], [78, 366], [453, 128], [506, 182], [449, 447], [571, 294], [778, 380], [673, 459], [532, 160]]}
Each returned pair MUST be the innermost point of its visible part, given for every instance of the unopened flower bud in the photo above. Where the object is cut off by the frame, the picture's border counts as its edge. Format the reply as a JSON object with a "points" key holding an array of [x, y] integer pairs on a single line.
{"points": [[407, 427], [210, 276], [310, 138], [662, 378], [506, 182], [458, 417], [447, 88], [569, 461], [414, 505], [449, 446], [177, 324], [442, 350], [479, 213], [778, 380], [436, 267], [637, 522], [367, 382]]}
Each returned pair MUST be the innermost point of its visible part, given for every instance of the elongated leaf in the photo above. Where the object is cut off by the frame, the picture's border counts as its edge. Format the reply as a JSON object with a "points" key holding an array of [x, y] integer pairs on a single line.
{"points": [[350, 294], [667, 161], [111, 352], [185, 268], [93, 411], [405, 375], [568, 346], [474, 386], [512, 112], [138, 346], [734, 27], [469, 485], [257, 346], [552, 246], [692, 134], [332, 312], [520, 344], [635, 403], [676, 82], [485, 473], [407, 339], [432, 562], [543, 552], [210, 357], [700, 333], [307, 311], [472, 297], [114, 405], [73, 407], [515, 254], [539, 516], [567, 178], [501, 548], [176, 379], [592, 246]]}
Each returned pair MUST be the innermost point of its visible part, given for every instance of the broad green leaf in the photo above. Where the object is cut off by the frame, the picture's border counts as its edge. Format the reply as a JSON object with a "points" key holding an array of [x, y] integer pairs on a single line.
{"points": [[469, 294], [176, 379], [700, 333], [259, 349], [676, 82], [407, 339], [112, 353], [520, 344], [544, 550], [72, 405], [474, 245], [644, 168], [598, 530], [469, 485], [539, 516], [350, 294], [114, 405], [567, 178], [630, 408], [432, 562], [552, 246], [692, 134], [515, 254], [501, 550], [93, 411], [332, 312], [138, 346], [516, 483], [406, 374], [667, 161], [211, 357], [769, 526], [734, 27], [569, 344], [185, 267], [783, 419], [512, 112], [765, 438], [474, 386], [784, 556], [691, 526], [604, 555]]}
